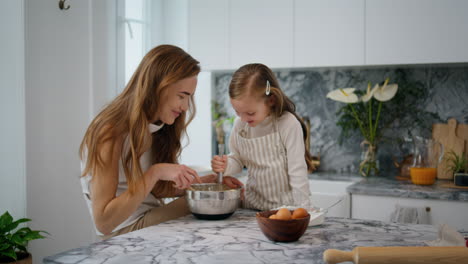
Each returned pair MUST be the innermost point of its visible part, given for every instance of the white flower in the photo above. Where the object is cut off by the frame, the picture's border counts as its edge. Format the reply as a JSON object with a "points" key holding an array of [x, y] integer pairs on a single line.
{"points": [[369, 92], [344, 95], [386, 92]]}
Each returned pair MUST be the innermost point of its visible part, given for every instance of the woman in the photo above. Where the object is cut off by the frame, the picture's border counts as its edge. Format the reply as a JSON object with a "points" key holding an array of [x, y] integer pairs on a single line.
{"points": [[130, 150]]}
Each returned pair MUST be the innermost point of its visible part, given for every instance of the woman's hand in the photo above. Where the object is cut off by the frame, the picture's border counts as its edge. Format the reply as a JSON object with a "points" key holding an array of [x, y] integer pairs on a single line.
{"points": [[219, 163], [181, 175]]}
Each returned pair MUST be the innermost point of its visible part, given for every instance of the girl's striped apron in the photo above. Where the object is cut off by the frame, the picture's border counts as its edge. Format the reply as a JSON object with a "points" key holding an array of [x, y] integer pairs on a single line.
{"points": [[268, 181]]}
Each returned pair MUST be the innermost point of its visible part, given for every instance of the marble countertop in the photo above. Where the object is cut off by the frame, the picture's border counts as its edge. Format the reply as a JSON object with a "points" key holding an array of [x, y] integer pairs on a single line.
{"points": [[382, 186], [238, 239]]}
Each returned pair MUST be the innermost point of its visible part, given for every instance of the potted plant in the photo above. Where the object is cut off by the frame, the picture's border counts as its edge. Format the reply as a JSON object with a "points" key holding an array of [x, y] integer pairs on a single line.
{"points": [[362, 111], [13, 243], [458, 165], [222, 124]]}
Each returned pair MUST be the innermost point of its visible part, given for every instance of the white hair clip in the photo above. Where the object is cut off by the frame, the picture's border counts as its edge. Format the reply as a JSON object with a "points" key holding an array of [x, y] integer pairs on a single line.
{"points": [[268, 89]]}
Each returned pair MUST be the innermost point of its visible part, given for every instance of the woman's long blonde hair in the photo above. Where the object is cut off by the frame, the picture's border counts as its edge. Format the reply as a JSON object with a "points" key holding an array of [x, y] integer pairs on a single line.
{"points": [[251, 80], [130, 113]]}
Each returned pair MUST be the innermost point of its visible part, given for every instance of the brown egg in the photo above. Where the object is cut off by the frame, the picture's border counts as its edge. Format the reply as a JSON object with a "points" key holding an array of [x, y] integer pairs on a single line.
{"points": [[299, 213], [283, 214], [273, 216]]}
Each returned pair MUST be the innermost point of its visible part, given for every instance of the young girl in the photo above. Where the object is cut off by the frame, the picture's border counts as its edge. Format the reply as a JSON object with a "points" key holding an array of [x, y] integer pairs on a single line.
{"points": [[268, 138], [129, 152]]}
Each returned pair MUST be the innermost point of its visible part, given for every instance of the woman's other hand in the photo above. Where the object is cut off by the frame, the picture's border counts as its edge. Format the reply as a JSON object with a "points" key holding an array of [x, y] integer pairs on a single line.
{"points": [[210, 178], [181, 175], [219, 163]]}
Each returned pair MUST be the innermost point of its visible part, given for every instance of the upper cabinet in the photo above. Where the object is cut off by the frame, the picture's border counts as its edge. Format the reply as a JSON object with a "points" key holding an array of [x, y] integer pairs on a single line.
{"points": [[328, 33], [416, 31], [261, 31], [208, 33], [225, 34]]}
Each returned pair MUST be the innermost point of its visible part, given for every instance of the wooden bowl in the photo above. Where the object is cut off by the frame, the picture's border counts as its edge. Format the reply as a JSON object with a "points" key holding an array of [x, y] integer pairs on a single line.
{"points": [[282, 230]]}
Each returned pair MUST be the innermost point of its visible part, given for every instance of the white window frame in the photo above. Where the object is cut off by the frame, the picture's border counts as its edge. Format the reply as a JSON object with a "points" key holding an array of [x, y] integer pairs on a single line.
{"points": [[123, 23]]}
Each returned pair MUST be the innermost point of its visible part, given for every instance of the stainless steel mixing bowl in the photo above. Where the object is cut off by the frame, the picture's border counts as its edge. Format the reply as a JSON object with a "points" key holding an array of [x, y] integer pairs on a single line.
{"points": [[212, 201]]}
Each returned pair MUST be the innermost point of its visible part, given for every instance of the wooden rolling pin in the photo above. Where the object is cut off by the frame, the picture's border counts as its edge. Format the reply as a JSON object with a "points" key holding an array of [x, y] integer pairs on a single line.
{"points": [[398, 255]]}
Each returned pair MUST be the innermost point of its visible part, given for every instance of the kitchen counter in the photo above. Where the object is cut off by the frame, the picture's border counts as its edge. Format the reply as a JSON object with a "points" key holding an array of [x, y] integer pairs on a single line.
{"points": [[321, 176], [383, 186], [333, 176], [238, 239]]}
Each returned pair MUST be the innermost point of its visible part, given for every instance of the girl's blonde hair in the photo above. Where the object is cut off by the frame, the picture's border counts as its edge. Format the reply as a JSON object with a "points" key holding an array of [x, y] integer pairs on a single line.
{"points": [[130, 113], [251, 80]]}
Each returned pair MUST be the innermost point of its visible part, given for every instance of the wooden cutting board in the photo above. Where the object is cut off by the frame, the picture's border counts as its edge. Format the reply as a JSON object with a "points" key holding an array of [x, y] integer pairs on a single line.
{"points": [[454, 137], [462, 132]]}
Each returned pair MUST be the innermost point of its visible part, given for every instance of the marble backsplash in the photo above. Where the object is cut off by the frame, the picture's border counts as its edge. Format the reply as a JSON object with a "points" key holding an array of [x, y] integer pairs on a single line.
{"points": [[443, 94]]}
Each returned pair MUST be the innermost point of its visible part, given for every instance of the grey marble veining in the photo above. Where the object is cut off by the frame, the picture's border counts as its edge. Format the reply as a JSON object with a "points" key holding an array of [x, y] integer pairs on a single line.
{"points": [[238, 239], [380, 186], [443, 91]]}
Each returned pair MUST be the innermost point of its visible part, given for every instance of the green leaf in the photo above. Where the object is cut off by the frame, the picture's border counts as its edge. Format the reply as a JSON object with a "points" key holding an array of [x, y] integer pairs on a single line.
{"points": [[9, 253], [5, 220], [22, 248], [4, 246], [15, 224], [18, 239], [23, 230], [33, 235]]}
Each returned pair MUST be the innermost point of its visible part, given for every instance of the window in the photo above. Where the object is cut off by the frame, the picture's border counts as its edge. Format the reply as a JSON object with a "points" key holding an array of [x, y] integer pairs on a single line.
{"points": [[133, 37]]}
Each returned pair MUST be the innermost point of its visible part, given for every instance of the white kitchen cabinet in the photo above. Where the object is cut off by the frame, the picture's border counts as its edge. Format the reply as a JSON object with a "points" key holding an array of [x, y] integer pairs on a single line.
{"points": [[416, 31], [261, 31], [226, 34], [453, 213], [326, 193], [208, 33], [328, 33]]}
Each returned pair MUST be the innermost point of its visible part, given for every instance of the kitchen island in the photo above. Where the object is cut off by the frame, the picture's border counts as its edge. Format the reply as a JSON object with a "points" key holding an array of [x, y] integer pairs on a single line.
{"points": [[238, 239]]}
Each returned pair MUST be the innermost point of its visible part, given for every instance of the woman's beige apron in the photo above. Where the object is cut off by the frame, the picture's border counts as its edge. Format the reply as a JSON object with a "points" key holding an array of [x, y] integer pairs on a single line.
{"points": [[268, 180]]}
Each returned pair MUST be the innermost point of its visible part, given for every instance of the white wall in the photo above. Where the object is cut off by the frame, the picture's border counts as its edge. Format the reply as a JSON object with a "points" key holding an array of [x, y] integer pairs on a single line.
{"points": [[197, 149], [176, 23], [169, 22], [12, 138], [57, 70], [103, 70], [170, 25], [69, 76]]}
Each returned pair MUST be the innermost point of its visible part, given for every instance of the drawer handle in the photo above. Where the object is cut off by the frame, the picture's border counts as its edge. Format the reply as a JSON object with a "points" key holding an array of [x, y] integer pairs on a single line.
{"points": [[428, 209]]}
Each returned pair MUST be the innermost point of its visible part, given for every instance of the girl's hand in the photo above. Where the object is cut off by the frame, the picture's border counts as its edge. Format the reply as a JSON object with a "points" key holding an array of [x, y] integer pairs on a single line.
{"points": [[219, 163], [232, 182], [181, 175]]}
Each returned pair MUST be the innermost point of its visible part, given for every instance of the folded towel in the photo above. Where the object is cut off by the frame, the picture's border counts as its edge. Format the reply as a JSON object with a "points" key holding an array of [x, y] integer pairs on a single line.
{"points": [[410, 215], [447, 237]]}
